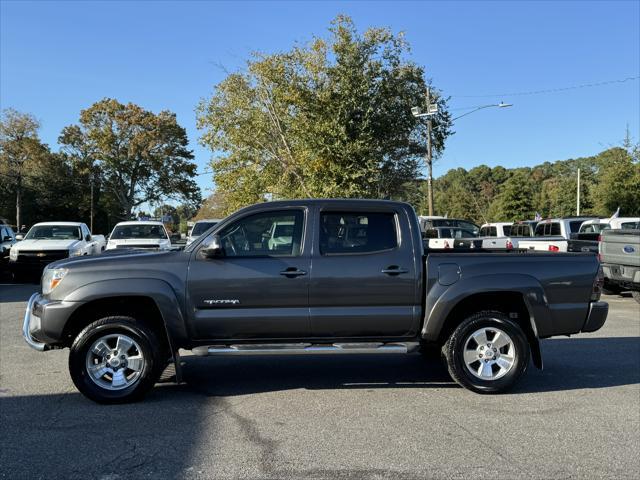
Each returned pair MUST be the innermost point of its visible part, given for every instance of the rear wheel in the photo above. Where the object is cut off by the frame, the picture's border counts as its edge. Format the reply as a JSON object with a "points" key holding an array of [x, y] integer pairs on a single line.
{"points": [[487, 353], [116, 360]]}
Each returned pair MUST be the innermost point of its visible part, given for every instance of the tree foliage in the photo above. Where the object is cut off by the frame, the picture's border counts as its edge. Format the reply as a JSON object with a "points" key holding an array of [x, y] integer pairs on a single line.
{"points": [[609, 180], [137, 156], [331, 118]]}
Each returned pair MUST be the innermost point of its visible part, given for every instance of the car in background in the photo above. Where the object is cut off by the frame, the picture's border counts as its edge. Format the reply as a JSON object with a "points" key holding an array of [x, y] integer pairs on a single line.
{"points": [[619, 253], [47, 242], [552, 234], [149, 235], [525, 228], [588, 237], [200, 227], [449, 237], [7, 239], [427, 223]]}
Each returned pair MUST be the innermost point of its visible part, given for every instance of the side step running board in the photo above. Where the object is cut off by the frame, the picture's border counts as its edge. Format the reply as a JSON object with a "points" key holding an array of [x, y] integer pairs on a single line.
{"points": [[307, 348]]}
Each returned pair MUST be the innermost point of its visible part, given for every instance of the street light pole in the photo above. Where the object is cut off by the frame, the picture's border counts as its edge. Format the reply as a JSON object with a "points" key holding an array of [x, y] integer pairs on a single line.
{"points": [[433, 110]]}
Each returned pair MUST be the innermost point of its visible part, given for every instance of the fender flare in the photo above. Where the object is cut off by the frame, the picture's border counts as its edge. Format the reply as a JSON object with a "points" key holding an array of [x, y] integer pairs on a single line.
{"points": [[157, 290], [441, 300]]}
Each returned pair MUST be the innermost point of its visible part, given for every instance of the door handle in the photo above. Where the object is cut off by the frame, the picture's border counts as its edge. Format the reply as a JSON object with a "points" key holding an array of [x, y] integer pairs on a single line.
{"points": [[394, 270], [292, 272]]}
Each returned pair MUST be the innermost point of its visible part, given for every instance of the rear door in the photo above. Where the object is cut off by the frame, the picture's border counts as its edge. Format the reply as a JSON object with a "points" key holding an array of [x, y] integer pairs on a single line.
{"points": [[260, 287], [364, 276]]}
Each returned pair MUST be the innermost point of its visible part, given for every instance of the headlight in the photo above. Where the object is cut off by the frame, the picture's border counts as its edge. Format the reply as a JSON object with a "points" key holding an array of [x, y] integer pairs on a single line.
{"points": [[51, 278], [75, 252], [13, 254], [111, 244]]}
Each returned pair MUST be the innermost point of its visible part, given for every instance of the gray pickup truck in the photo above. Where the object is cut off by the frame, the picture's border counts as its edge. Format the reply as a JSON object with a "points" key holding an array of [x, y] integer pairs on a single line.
{"points": [[310, 277]]}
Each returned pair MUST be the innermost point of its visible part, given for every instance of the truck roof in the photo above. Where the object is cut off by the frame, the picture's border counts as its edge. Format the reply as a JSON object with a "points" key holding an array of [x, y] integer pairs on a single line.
{"points": [[66, 224], [140, 222]]}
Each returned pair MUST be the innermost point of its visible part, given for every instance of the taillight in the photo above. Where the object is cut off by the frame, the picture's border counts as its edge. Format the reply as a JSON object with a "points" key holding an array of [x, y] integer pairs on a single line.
{"points": [[599, 238], [600, 257], [554, 248], [598, 283], [509, 245]]}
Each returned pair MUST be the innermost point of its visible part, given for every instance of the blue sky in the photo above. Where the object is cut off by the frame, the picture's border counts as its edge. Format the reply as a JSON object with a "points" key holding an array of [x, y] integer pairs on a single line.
{"points": [[57, 58]]}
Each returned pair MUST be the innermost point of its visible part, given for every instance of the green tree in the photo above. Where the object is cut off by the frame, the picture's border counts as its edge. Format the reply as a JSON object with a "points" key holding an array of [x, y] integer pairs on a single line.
{"points": [[139, 156], [515, 201], [619, 182], [329, 118], [20, 147]]}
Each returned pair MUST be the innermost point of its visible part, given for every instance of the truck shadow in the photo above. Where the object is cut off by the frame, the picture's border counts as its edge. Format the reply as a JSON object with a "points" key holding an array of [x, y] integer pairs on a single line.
{"points": [[580, 363], [12, 292], [156, 438]]}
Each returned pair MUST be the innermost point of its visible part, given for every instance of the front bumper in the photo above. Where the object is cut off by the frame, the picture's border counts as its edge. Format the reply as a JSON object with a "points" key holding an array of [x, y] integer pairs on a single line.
{"points": [[32, 325], [44, 322], [597, 316]]}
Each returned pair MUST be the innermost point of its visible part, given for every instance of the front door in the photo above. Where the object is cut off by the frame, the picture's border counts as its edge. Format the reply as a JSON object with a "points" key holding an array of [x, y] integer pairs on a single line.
{"points": [[259, 288], [364, 279]]}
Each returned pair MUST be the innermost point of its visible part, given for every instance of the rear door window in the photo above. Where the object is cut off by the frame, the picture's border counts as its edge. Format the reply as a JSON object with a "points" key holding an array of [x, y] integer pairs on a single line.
{"points": [[357, 232], [574, 226]]}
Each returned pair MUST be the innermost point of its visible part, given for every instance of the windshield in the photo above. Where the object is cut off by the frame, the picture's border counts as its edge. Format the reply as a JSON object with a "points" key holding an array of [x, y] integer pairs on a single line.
{"points": [[122, 232], [54, 232], [200, 227]]}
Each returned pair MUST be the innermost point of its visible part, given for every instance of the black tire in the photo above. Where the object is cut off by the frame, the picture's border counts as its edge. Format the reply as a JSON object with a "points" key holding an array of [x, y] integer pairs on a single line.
{"points": [[151, 348], [454, 351], [636, 295]]}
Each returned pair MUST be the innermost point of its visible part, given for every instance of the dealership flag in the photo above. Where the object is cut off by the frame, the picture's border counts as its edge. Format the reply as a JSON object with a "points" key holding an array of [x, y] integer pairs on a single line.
{"points": [[617, 214], [538, 217]]}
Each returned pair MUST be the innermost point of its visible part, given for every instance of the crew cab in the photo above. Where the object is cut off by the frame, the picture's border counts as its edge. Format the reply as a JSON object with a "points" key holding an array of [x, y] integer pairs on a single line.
{"points": [[125, 316], [552, 235], [47, 242], [140, 235], [588, 237]]}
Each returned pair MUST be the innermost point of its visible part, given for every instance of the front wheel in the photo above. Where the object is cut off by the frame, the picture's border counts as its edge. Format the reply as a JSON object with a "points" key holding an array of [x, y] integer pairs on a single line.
{"points": [[115, 360], [487, 353]]}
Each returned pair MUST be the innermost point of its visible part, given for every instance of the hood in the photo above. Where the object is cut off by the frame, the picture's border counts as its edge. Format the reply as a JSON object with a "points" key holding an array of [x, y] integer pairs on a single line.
{"points": [[109, 257], [26, 245]]}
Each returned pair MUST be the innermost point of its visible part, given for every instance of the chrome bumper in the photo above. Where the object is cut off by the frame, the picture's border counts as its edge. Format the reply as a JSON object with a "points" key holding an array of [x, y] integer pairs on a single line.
{"points": [[26, 326]]}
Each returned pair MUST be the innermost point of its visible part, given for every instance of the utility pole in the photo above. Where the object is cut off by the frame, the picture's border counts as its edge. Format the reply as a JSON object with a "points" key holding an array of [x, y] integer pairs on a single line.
{"points": [[578, 196], [91, 214], [429, 158]]}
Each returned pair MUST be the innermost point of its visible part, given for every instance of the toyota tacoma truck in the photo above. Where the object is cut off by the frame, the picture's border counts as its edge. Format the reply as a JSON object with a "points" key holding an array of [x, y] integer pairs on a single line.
{"points": [[351, 278]]}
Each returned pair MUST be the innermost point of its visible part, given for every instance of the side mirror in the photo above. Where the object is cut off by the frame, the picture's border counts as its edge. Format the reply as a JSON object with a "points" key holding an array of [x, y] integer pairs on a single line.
{"points": [[213, 247], [7, 238], [87, 237], [19, 237]]}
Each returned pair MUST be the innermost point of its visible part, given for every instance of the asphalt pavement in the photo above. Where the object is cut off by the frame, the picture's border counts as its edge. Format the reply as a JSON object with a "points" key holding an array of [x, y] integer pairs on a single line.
{"points": [[339, 417]]}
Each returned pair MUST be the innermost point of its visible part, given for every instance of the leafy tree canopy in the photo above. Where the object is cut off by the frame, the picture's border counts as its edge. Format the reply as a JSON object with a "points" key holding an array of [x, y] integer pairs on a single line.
{"points": [[330, 118], [137, 155]]}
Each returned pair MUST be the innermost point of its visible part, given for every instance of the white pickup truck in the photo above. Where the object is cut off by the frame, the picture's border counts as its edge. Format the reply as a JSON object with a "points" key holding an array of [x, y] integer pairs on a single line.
{"points": [[47, 242], [553, 234], [150, 235]]}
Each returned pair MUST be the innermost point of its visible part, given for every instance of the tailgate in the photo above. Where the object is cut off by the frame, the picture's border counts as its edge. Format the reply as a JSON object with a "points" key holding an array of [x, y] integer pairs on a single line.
{"points": [[621, 247]]}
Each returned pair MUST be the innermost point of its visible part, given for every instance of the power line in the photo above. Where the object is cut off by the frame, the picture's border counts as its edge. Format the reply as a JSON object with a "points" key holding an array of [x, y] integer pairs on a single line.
{"points": [[550, 90]]}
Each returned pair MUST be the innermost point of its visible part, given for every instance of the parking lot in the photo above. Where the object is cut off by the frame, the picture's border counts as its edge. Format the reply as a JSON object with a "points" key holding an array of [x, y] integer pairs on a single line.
{"points": [[329, 417]]}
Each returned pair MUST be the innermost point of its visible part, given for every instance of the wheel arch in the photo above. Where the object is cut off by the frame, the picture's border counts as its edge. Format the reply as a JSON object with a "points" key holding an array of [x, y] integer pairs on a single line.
{"points": [[520, 297]]}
